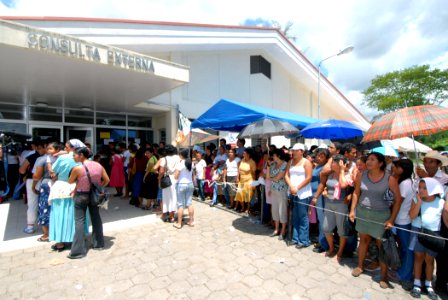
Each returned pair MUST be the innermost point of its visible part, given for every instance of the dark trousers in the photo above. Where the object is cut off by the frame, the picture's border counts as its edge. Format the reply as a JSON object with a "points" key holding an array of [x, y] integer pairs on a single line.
{"points": [[13, 177], [442, 262], [82, 201], [200, 184]]}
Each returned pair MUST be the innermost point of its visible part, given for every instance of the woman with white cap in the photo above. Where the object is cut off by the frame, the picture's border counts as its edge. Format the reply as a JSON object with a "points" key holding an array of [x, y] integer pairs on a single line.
{"points": [[62, 217], [298, 177]]}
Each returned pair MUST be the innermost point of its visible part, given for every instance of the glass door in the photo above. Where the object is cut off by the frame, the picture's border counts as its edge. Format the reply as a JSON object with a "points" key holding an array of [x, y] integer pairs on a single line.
{"points": [[84, 134], [44, 132]]}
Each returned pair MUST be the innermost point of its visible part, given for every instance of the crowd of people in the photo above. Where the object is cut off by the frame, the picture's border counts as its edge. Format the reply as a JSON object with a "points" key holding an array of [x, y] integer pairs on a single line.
{"points": [[57, 184], [351, 198], [354, 198]]}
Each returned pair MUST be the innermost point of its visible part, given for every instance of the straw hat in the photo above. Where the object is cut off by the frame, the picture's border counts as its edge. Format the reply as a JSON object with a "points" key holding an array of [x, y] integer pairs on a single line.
{"points": [[436, 155]]}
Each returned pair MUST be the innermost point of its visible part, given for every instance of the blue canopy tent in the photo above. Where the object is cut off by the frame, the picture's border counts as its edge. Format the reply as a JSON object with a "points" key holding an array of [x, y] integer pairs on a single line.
{"points": [[229, 115]]}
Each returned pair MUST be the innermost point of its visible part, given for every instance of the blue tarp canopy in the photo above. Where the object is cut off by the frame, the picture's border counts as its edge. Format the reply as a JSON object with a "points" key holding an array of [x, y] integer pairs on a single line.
{"points": [[229, 115]]}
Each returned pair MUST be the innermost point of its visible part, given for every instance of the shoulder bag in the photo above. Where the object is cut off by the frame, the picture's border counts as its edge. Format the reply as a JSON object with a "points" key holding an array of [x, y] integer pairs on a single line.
{"points": [[97, 195], [166, 180], [430, 239]]}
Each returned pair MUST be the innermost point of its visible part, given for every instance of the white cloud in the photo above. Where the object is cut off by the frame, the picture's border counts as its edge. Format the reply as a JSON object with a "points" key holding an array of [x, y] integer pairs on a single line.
{"points": [[387, 35]]}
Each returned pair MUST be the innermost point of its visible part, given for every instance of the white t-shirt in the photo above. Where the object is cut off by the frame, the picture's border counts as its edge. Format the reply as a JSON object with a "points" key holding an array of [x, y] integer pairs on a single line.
{"points": [[431, 215], [407, 192], [185, 176], [232, 166], [220, 157], [127, 156], [24, 154], [199, 167]]}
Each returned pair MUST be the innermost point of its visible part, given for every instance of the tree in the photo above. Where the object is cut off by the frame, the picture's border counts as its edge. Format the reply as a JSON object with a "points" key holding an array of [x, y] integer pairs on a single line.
{"points": [[417, 85], [286, 30]]}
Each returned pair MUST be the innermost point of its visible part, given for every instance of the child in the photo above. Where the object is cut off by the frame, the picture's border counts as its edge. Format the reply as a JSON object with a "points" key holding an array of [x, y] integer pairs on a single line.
{"points": [[54, 150], [217, 182], [426, 211]]}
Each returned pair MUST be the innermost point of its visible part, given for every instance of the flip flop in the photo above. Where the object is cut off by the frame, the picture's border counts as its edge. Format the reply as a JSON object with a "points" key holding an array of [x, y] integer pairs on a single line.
{"points": [[191, 224], [357, 271], [176, 225], [43, 239], [330, 254]]}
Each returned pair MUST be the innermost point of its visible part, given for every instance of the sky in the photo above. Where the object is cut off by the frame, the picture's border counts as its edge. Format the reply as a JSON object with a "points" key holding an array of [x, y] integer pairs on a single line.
{"points": [[387, 35]]}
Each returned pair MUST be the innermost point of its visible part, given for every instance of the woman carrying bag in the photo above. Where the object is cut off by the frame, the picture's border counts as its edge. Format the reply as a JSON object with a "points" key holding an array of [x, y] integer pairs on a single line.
{"points": [[80, 175]]}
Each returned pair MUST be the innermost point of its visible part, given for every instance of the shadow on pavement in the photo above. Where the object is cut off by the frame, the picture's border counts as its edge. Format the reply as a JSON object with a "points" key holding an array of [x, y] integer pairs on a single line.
{"points": [[250, 225], [14, 211]]}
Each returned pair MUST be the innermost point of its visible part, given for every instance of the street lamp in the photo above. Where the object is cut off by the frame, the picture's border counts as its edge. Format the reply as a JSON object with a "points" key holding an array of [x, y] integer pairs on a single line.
{"points": [[344, 51]]}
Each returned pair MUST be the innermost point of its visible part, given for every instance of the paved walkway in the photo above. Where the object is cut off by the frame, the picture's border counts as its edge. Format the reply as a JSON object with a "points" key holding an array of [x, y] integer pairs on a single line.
{"points": [[225, 256]]}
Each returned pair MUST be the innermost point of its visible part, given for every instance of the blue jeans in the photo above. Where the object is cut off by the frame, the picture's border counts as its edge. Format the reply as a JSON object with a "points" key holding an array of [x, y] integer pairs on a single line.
{"points": [[300, 222], [215, 193], [320, 216], [184, 194], [406, 255], [200, 184]]}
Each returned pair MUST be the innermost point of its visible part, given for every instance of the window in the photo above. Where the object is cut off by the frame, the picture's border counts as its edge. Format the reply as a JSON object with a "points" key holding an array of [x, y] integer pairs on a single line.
{"points": [[78, 116], [139, 121], [258, 64], [15, 112], [49, 114], [110, 119]]}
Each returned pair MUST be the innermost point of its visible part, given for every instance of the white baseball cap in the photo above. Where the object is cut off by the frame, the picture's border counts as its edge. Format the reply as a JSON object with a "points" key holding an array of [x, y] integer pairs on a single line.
{"points": [[298, 146]]}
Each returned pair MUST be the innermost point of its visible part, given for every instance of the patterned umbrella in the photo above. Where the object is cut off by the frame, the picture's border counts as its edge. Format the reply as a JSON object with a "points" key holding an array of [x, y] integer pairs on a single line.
{"points": [[198, 136], [266, 128], [415, 120]]}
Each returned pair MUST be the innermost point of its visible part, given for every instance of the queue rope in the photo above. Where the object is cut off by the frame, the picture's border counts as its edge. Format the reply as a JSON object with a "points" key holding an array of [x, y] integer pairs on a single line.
{"points": [[374, 222], [234, 186]]}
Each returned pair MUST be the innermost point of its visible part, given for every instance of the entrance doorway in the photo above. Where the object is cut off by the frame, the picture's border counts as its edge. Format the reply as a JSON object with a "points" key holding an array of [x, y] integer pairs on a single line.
{"points": [[84, 134]]}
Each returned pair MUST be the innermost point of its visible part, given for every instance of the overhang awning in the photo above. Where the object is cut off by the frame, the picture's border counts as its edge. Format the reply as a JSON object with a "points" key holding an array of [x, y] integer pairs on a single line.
{"points": [[229, 115], [38, 65]]}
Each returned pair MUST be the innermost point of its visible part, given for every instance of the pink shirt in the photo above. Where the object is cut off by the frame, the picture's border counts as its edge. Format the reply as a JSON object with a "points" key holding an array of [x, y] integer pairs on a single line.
{"points": [[95, 171]]}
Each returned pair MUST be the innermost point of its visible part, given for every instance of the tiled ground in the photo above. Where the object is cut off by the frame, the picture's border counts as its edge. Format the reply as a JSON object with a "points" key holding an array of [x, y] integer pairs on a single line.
{"points": [[225, 256]]}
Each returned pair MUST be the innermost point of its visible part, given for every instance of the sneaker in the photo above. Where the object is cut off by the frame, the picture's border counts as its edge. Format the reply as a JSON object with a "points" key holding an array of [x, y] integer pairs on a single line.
{"points": [[416, 292], [431, 294], [28, 230]]}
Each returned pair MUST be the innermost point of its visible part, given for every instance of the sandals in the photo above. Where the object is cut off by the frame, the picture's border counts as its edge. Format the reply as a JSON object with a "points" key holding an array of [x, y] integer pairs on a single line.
{"points": [[56, 248], [177, 225], [42, 239], [357, 271], [191, 224], [384, 284]]}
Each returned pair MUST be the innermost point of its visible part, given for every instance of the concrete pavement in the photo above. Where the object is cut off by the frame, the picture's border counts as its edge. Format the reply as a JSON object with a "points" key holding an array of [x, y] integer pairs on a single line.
{"points": [[225, 256]]}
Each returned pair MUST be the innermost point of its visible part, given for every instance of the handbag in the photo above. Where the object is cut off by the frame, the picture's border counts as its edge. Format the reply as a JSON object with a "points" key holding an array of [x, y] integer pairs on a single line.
{"points": [[97, 195], [431, 240], [166, 180], [389, 250]]}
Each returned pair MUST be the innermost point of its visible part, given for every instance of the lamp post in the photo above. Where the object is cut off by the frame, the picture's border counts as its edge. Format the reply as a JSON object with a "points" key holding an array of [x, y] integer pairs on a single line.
{"points": [[344, 51]]}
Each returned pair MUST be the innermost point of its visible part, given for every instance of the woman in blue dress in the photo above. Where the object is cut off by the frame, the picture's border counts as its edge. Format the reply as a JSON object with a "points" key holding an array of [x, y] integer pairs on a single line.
{"points": [[62, 217]]}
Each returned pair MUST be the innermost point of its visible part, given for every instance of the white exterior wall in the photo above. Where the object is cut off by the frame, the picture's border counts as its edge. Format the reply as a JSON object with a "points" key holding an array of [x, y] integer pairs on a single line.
{"points": [[214, 76]]}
